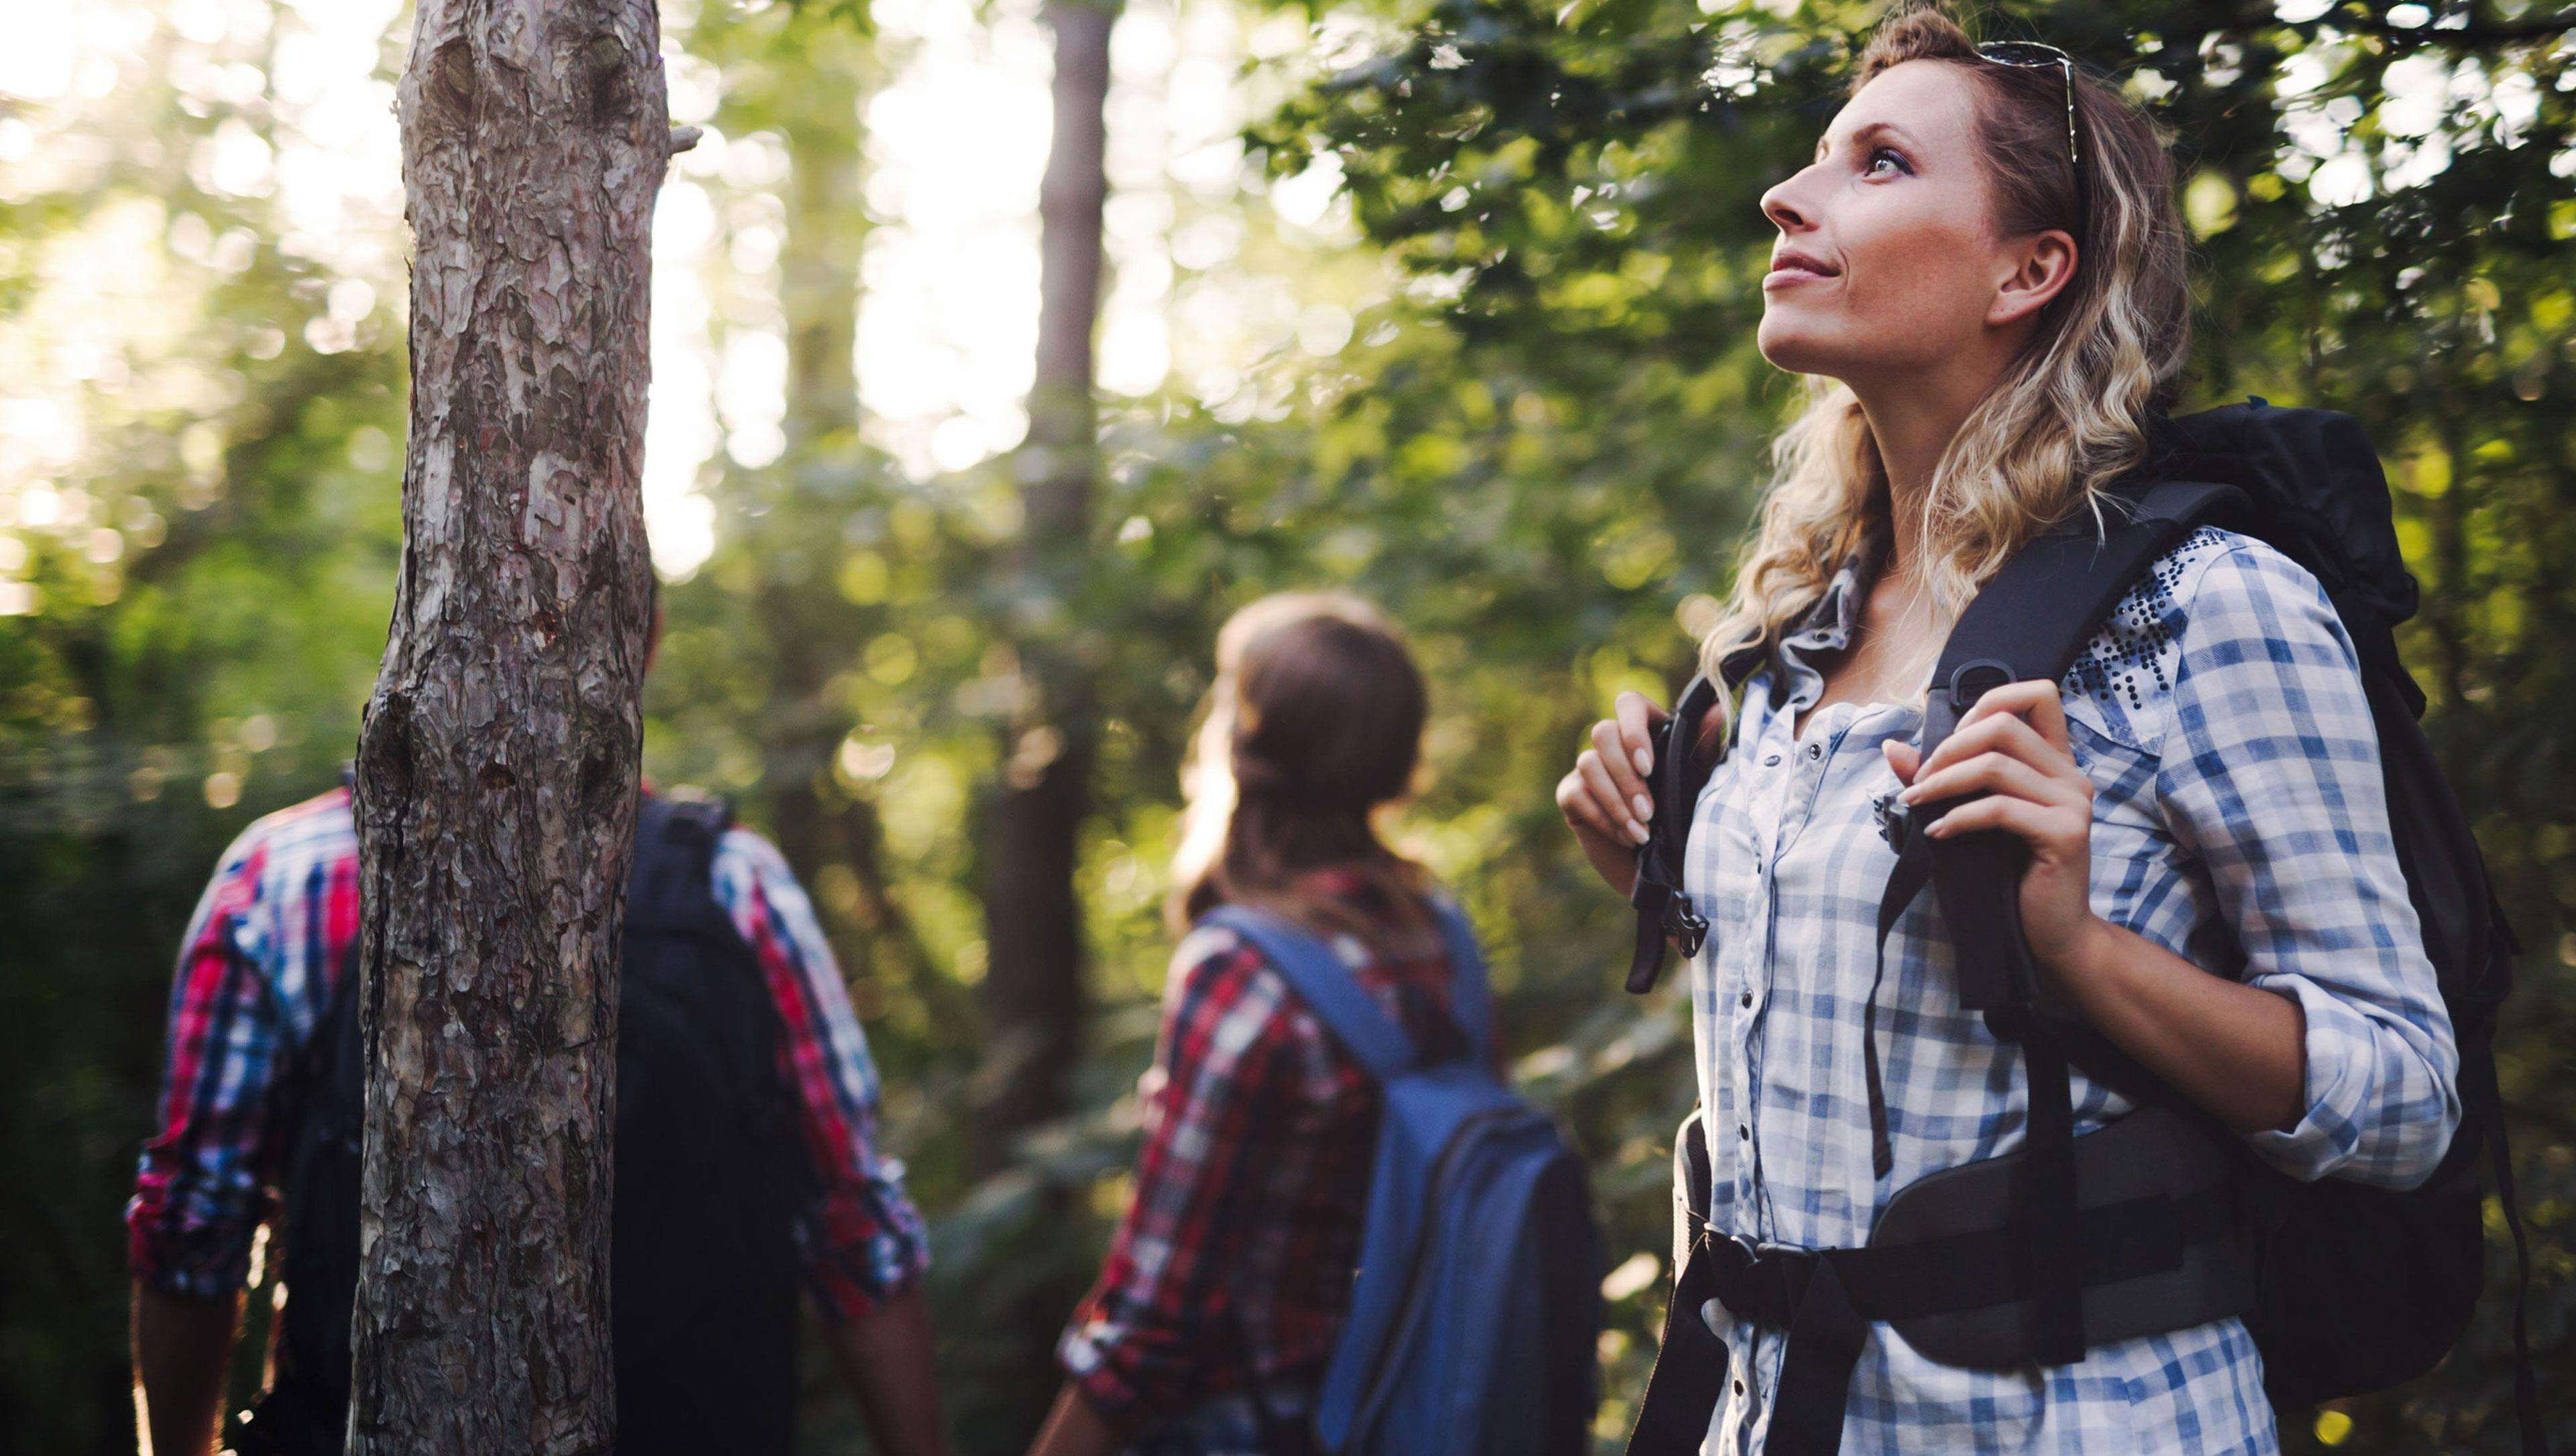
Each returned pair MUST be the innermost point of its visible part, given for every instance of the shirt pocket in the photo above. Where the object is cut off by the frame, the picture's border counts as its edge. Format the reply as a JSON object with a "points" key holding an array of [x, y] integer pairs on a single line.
{"points": [[2135, 859]]}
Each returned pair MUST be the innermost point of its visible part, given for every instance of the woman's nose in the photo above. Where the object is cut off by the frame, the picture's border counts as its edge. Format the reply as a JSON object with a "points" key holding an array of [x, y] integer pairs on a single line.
{"points": [[1781, 204]]}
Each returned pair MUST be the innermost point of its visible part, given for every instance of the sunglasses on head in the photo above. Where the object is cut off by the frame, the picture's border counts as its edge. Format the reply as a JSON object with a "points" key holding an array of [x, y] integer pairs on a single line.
{"points": [[2033, 53]]}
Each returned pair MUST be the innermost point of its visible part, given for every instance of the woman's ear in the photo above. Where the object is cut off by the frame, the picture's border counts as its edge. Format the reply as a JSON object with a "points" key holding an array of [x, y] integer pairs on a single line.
{"points": [[2040, 269]]}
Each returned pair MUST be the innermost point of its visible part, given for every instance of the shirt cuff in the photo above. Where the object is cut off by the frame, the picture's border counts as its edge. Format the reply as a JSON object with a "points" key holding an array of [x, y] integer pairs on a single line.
{"points": [[2331, 1137], [207, 1262], [1085, 1353], [852, 1282]]}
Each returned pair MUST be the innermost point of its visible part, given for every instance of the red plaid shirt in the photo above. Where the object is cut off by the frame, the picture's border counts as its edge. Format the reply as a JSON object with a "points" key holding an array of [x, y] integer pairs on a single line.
{"points": [[1237, 1250], [270, 943]]}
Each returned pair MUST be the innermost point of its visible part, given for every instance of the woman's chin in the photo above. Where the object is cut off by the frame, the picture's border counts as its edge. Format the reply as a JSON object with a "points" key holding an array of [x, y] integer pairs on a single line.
{"points": [[1786, 346]]}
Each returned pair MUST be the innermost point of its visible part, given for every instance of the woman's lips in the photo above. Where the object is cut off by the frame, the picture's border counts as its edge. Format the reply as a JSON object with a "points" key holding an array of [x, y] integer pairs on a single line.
{"points": [[1790, 275]]}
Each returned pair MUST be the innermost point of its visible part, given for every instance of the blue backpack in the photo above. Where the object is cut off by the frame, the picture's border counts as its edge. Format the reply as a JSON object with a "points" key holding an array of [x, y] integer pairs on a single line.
{"points": [[1476, 1306]]}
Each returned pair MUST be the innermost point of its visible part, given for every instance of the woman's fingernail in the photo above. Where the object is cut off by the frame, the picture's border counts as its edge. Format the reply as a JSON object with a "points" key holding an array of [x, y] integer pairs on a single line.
{"points": [[1637, 831], [1645, 761], [1645, 806]]}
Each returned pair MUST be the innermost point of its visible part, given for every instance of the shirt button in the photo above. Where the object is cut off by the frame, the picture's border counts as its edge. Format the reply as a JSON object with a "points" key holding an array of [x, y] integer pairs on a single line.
{"points": [[1771, 761], [1744, 1132], [1748, 998], [1815, 750], [1739, 1387]]}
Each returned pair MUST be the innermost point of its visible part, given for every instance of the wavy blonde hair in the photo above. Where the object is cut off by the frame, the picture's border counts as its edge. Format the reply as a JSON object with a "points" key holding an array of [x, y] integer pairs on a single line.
{"points": [[2068, 417]]}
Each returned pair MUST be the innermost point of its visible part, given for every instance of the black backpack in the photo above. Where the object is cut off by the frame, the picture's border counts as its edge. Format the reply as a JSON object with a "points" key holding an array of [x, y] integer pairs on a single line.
{"points": [[2346, 1288], [703, 1263]]}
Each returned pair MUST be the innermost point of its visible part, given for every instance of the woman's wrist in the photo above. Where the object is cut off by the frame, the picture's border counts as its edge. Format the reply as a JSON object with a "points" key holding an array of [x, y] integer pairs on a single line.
{"points": [[2089, 963]]}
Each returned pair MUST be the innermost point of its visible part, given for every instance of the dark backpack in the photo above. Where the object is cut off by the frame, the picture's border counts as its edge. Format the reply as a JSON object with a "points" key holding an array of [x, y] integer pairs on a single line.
{"points": [[703, 1264], [2354, 1288], [1476, 1306]]}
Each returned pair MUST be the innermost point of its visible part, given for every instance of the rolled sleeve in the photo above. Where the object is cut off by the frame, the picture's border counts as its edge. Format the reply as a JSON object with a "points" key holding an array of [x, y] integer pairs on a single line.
{"points": [[2270, 773], [862, 1239]]}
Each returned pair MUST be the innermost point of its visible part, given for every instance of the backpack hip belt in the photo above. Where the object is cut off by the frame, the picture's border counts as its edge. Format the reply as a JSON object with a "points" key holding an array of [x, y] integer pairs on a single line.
{"points": [[1951, 1266]]}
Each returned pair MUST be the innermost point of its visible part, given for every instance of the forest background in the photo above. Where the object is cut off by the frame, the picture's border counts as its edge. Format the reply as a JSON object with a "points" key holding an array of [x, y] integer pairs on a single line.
{"points": [[1451, 304]]}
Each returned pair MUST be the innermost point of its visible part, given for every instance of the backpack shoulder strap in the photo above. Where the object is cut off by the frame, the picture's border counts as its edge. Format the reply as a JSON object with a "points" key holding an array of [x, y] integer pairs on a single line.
{"points": [[1326, 986], [670, 881], [1470, 1001], [2031, 617], [2028, 622], [1664, 910]]}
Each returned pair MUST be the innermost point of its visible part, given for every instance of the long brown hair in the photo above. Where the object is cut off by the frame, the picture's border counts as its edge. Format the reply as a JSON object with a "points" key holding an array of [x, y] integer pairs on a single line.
{"points": [[1313, 725], [2068, 418]]}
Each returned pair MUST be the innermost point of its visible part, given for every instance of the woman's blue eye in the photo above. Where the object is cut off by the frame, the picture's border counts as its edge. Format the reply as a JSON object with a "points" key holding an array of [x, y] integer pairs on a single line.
{"points": [[1888, 156]]}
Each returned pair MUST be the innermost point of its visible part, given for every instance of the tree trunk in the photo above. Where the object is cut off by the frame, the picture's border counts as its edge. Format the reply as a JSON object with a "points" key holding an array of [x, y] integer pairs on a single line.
{"points": [[811, 630], [497, 766], [1033, 922]]}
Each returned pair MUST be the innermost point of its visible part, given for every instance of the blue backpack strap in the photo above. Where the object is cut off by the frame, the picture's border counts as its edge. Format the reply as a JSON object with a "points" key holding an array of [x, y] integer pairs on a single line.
{"points": [[1326, 986], [1470, 1004]]}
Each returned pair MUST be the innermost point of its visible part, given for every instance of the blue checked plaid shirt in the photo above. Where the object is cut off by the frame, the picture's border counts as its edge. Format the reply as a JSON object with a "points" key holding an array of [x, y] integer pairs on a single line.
{"points": [[2239, 820]]}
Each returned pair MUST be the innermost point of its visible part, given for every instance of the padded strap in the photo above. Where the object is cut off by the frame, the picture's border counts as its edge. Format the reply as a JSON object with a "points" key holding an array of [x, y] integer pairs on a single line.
{"points": [[1470, 1000], [1326, 986], [2027, 623]]}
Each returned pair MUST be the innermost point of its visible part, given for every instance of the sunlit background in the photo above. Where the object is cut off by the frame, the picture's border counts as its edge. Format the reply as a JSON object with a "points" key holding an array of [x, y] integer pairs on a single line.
{"points": [[956, 136], [1447, 302]]}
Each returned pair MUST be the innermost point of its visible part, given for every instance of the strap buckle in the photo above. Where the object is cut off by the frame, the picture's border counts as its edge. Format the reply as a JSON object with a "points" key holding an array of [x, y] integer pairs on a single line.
{"points": [[1762, 1282], [1964, 689], [1684, 923], [1658, 899]]}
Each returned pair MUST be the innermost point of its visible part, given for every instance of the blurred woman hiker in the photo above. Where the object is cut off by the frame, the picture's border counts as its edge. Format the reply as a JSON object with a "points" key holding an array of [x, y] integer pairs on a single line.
{"points": [[1230, 1279], [1983, 273]]}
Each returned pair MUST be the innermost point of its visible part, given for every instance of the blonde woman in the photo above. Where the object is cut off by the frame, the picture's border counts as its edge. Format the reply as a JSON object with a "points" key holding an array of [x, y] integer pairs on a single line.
{"points": [[1982, 272]]}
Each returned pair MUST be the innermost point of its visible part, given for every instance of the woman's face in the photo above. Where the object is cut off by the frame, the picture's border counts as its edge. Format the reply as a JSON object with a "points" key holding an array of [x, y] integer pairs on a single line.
{"points": [[1889, 260]]}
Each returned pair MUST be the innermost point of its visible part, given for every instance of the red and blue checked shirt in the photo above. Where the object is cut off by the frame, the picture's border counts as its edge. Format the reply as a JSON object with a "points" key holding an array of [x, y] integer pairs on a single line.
{"points": [[1236, 1253], [270, 942]]}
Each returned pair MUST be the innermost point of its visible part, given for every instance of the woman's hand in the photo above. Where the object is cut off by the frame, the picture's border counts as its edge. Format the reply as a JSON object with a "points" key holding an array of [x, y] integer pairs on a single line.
{"points": [[2013, 745], [1605, 798]]}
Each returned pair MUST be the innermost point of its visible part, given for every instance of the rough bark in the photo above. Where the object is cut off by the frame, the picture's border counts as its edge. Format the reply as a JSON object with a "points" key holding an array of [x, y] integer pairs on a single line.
{"points": [[1033, 923], [497, 766]]}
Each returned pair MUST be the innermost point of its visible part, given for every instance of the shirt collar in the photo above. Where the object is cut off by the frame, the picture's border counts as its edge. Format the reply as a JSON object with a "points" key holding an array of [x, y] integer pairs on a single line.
{"points": [[1828, 623]]}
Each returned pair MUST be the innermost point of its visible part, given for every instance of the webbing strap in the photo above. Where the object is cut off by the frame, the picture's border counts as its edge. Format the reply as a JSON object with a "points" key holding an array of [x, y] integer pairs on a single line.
{"points": [[2487, 1099], [1825, 1339], [1913, 867], [1689, 1377], [2049, 1250]]}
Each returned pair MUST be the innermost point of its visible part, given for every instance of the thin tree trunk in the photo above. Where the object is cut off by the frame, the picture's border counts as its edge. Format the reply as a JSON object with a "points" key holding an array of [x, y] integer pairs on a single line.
{"points": [[497, 766], [1033, 921], [810, 636]]}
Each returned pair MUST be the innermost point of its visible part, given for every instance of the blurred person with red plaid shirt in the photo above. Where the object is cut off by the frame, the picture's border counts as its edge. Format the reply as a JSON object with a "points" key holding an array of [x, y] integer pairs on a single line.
{"points": [[271, 948], [1230, 1277]]}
